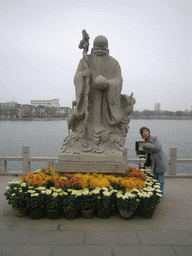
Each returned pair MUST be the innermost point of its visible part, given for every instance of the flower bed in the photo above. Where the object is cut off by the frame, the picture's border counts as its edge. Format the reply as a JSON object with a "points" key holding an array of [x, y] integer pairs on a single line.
{"points": [[47, 190]]}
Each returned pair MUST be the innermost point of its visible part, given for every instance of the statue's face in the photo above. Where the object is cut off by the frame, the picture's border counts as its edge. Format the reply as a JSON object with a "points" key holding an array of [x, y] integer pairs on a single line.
{"points": [[100, 51]]}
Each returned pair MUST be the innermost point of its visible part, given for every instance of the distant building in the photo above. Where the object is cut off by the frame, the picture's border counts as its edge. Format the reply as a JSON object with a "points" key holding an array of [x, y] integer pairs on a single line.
{"points": [[10, 104], [46, 103], [157, 108], [65, 111]]}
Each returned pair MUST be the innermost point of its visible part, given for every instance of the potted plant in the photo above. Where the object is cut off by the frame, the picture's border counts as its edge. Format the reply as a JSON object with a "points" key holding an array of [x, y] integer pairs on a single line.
{"points": [[16, 194], [87, 204], [53, 203], [105, 203], [127, 203], [36, 202], [71, 203], [149, 198]]}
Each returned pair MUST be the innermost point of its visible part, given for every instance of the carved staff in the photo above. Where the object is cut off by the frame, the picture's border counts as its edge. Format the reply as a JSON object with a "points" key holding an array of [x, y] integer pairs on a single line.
{"points": [[84, 44]]}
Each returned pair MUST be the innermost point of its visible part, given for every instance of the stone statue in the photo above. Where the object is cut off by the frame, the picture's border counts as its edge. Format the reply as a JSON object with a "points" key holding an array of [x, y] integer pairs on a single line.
{"points": [[100, 114]]}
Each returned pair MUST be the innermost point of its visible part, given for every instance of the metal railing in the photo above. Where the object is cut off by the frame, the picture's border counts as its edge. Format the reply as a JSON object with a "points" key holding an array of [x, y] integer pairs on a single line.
{"points": [[27, 159]]}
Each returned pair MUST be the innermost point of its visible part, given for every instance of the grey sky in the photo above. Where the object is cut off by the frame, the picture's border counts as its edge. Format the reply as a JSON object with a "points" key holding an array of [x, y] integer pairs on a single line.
{"points": [[151, 39]]}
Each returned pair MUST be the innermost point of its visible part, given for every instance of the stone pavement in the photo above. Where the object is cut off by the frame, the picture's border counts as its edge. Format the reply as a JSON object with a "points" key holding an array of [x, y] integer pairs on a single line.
{"points": [[168, 233]]}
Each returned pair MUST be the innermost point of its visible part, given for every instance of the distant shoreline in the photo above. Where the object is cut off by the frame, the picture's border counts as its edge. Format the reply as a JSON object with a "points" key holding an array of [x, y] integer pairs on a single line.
{"points": [[32, 119], [144, 117]]}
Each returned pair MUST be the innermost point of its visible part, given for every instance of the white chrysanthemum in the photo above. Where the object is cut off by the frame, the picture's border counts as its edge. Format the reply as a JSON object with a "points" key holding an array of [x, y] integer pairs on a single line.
{"points": [[31, 191], [30, 187], [144, 194], [135, 190], [61, 193], [48, 191], [119, 195], [104, 188], [53, 188], [36, 171], [79, 193], [106, 193], [156, 186], [65, 193], [13, 194], [55, 194], [159, 195], [23, 184], [59, 190], [41, 188], [86, 192], [158, 190], [95, 191], [140, 194], [150, 193], [15, 188], [113, 191], [43, 191], [73, 192], [7, 188], [69, 189], [36, 194]]}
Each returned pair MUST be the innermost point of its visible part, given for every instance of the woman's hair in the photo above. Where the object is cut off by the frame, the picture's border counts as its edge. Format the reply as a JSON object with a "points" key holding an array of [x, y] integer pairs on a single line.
{"points": [[142, 129]]}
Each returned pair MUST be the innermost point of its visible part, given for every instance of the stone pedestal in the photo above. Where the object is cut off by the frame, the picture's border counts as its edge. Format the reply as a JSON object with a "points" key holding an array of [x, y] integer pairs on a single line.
{"points": [[91, 163]]}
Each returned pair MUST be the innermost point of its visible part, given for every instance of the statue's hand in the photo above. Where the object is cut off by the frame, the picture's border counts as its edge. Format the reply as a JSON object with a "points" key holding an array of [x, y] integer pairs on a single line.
{"points": [[87, 73], [101, 83]]}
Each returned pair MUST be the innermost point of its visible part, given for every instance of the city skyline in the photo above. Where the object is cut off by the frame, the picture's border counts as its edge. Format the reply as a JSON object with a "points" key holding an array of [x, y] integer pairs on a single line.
{"points": [[151, 40], [154, 109]]}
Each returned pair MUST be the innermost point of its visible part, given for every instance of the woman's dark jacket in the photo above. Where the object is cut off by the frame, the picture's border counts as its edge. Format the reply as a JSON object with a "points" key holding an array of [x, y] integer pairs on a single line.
{"points": [[159, 163]]}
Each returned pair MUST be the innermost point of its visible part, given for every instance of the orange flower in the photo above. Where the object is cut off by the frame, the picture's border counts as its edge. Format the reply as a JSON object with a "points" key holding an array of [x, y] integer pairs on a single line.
{"points": [[32, 182], [104, 182], [48, 169], [24, 178], [30, 175]]}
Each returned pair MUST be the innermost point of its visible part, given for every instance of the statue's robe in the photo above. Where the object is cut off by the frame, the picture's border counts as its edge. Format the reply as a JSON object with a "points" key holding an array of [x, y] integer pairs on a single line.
{"points": [[106, 118]]}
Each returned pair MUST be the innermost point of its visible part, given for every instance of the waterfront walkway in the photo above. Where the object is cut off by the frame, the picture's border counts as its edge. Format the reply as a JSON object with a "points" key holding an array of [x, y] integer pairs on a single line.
{"points": [[168, 233]]}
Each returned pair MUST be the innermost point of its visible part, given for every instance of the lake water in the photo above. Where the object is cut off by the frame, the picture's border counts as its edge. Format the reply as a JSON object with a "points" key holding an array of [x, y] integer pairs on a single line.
{"points": [[45, 139]]}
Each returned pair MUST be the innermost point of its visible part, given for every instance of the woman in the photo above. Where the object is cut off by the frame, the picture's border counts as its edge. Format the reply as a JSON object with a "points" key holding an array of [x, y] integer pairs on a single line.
{"points": [[159, 163]]}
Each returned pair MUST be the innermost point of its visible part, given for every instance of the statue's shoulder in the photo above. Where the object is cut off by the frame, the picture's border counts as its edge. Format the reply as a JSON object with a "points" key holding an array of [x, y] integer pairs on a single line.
{"points": [[113, 61]]}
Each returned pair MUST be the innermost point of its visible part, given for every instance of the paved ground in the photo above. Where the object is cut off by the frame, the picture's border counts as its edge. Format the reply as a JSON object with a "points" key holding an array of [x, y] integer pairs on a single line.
{"points": [[168, 233]]}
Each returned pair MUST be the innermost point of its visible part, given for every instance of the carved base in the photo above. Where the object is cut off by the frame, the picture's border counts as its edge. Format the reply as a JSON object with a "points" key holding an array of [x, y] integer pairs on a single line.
{"points": [[88, 163]]}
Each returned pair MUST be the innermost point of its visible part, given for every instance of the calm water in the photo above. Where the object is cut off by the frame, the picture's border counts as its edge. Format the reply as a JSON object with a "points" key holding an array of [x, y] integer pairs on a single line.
{"points": [[45, 139]]}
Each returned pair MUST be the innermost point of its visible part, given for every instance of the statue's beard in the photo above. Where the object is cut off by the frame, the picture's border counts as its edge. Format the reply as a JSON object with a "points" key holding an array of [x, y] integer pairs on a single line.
{"points": [[99, 64]]}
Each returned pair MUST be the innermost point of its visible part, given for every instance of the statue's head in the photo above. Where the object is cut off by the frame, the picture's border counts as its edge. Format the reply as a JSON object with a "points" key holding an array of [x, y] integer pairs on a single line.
{"points": [[100, 46]]}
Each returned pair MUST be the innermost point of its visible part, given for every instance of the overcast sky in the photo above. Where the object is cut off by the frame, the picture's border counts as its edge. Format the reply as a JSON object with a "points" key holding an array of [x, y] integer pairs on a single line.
{"points": [[151, 40]]}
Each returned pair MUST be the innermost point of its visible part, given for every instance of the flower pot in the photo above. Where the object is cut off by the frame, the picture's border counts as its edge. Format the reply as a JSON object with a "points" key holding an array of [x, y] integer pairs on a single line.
{"points": [[146, 213], [21, 212], [70, 213], [36, 213], [87, 214], [126, 214], [53, 214], [104, 213]]}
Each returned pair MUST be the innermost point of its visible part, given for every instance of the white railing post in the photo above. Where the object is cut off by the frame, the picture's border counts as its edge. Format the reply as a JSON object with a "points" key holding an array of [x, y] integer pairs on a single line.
{"points": [[3, 166], [26, 159], [173, 161]]}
